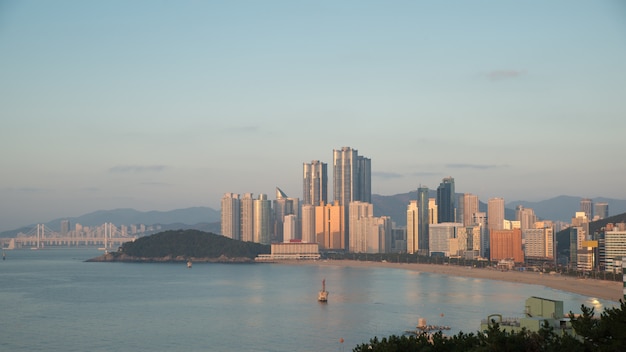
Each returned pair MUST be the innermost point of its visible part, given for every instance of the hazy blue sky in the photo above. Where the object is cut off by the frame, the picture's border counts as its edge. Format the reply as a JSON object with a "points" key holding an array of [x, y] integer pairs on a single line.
{"points": [[158, 105]]}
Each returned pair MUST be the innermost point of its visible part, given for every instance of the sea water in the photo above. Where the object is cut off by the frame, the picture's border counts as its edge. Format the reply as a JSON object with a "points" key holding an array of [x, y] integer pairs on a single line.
{"points": [[52, 300]]}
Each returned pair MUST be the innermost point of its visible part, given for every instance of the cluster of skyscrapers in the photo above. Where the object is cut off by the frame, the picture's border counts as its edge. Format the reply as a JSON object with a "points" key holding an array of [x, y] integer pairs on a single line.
{"points": [[315, 219], [448, 224]]}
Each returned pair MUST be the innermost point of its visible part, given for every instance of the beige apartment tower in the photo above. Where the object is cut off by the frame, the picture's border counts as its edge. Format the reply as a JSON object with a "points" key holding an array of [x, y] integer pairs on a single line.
{"points": [[495, 213], [330, 226]]}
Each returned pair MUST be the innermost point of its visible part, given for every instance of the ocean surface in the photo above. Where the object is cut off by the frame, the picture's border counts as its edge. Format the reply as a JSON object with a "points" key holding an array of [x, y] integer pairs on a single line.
{"points": [[52, 300]]}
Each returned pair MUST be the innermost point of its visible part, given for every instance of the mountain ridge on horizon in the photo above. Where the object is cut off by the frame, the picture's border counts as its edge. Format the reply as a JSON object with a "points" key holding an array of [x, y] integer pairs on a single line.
{"points": [[559, 208]]}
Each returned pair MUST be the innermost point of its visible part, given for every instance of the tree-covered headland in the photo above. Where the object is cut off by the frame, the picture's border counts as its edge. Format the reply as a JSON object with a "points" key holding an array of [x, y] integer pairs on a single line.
{"points": [[183, 245]]}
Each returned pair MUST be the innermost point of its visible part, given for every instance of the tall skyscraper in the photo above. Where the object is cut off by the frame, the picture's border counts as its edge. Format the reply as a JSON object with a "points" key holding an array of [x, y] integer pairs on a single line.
{"points": [[231, 212], [480, 219], [262, 215], [352, 176], [432, 211], [65, 227], [495, 213], [446, 199], [586, 206], [423, 224], [412, 227], [358, 211], [526, 217], [315, 183], [247, 217], [601, 210], [470, 207], [283, 206]]}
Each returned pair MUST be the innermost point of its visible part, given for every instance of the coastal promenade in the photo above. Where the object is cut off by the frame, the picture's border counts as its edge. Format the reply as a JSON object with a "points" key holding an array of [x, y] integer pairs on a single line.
{"points": [[600, 289]]}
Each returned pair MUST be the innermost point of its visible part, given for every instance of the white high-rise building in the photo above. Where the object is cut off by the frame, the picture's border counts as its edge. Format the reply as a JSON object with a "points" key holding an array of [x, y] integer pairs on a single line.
{"points": [[480, 219], [289, 227], [262, 216], [358, 211], [315, 183], [412, 227], [230, 217], [247, 217]]}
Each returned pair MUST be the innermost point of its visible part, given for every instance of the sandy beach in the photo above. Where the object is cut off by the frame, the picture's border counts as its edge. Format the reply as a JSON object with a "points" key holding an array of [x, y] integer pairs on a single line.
{"points": [[600, 289]]}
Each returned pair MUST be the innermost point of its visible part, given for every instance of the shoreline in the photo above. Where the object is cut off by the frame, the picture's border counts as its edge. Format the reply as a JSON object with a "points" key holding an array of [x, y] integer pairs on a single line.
{"points": [[592, 288]]}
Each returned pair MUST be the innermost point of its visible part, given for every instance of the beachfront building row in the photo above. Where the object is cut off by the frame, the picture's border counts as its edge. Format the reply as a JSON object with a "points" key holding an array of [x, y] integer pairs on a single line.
{"points": [[601, 251]]}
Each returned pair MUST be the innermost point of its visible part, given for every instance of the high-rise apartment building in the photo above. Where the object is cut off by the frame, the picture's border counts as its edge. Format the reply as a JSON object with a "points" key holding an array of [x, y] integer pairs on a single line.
{"points": [[308, 223], [247, 217], [495, 213], [433, 217], [586, 206], [614, 249], [423, 237], [283, 206], [538, 243], [506, 244], [601, 210], [230, 217], [315, 183], [440, 236], [526, 217], [262, 216], [330, 226], [412, 227], [470, 207], [65, 227], [446, 201], [289, 228], [358, 211], [480, 219], [352, 175]]}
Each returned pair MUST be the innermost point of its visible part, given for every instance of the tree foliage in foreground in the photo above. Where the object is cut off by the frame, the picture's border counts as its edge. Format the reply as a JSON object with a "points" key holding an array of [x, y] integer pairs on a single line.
{"points": [[606, 334], [192, 243]]}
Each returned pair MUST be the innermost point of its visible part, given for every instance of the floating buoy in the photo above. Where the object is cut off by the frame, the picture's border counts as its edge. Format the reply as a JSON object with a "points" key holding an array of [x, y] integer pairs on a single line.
{"points": [[441, 315]]}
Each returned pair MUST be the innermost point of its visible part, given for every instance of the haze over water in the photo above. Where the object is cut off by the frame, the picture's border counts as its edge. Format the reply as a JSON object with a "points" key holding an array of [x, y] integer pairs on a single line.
{"points": [[51, 300]]}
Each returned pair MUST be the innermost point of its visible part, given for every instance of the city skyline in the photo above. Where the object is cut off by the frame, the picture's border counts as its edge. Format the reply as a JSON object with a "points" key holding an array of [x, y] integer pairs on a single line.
{"points": [[159, 106]]}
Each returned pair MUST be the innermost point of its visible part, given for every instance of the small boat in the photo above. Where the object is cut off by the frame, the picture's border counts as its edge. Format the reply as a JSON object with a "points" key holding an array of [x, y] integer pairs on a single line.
{"points": [[323, 295], [189, 264]]}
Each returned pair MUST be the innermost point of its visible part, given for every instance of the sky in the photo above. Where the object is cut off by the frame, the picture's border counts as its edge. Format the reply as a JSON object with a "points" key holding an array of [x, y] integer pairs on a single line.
{"points": [[160, 105]]}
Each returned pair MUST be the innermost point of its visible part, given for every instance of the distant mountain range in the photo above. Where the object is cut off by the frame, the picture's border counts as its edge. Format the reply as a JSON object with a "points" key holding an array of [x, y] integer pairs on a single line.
{"points": [[196, 218], [560, 208]]}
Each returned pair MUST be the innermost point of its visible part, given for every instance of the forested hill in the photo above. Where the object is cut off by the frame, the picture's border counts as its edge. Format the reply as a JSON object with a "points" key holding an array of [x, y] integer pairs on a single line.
{"points": [[181, 245]]}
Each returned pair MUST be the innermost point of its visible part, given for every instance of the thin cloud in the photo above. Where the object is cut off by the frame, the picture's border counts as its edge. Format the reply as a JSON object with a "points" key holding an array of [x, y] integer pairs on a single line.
{"points": [[425, 174], [474, 166], [124, 169], [386, 175], [499, 75]]}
